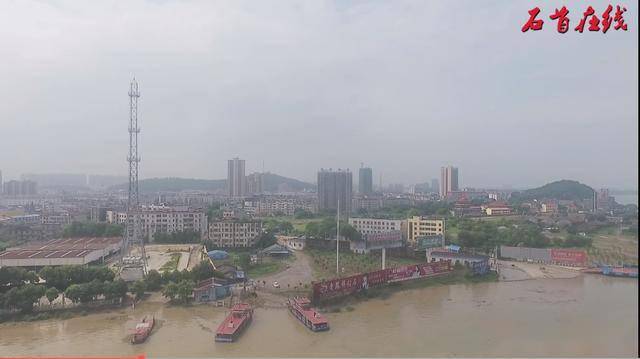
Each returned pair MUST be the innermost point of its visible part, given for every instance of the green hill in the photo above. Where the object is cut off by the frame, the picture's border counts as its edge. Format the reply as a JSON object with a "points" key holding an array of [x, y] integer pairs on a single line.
{"points": [[272, 183], [561, 190], [276, 183]]}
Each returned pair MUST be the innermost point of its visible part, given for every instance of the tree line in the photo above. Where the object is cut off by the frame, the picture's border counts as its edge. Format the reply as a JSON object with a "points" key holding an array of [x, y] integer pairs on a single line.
{"points": [[487, 235], [326, 228], [21, 289], [90, 229], [176, 285], [183, 237]]}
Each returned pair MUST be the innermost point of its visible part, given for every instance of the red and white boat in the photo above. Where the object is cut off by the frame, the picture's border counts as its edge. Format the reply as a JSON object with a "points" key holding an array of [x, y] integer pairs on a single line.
{"points": [[143, 330], [235, 323], [301, 308]]}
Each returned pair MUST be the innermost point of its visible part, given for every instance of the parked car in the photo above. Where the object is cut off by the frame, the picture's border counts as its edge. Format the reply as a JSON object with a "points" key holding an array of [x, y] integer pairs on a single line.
{"points": [[276, 285]]}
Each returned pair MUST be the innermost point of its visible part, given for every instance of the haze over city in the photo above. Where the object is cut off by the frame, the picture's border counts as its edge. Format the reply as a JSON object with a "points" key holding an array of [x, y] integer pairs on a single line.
{"points": [[402, 86]]}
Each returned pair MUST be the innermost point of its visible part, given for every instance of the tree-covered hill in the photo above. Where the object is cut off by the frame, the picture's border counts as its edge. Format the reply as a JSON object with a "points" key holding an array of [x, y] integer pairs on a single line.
{"points": [[561, 190], [272, 183]]}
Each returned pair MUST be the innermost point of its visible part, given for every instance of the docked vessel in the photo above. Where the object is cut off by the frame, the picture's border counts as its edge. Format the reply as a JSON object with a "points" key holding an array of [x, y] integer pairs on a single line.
{"points": [[615, 271], [301, 308], [623, 271], [143, 330], [235, 323]]}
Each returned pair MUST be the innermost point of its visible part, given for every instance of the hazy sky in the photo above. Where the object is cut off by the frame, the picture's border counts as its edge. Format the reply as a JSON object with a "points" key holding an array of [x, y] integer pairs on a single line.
{"points": [[403, 86]]}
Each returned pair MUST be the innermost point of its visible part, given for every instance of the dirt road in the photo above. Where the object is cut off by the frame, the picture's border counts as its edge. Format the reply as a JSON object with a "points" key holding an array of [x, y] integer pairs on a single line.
{"points": [[298, 272]]}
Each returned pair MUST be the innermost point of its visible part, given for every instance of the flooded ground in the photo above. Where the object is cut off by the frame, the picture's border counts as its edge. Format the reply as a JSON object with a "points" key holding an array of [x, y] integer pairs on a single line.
{"points": [[583, 316]]}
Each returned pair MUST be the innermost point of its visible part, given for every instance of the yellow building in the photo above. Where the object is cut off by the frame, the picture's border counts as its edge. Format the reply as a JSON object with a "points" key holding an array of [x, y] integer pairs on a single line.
{"points": [[418, 226]]}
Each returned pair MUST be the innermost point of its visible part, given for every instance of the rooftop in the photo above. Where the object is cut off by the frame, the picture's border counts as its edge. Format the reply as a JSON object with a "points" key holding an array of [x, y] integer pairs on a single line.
{"points": [[83, 243], [26, 254]]}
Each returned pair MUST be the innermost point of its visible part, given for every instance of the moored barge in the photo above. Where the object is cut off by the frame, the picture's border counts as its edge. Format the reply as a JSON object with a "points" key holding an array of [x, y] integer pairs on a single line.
{"points": [[624, 271], [235, 323], [612, 271], [301, 308], [143, 330]]}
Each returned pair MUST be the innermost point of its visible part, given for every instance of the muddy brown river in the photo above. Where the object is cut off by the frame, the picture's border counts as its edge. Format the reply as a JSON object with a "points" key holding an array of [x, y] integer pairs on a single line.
{"points": [[584, 316]]}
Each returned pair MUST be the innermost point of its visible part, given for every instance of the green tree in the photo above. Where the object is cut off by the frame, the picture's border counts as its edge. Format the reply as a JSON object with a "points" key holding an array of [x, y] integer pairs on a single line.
{"points": [[63, 276], [55, 277], [244, 260], [51, 294], [95, 288], [90, 229], [109, 291], [74, 292], [348, 232], [153, 280], [177, 237], [265, 240], [137, 289], [312, 229], [24, 297], [16, 277], [119, 288], [170, 290], [185, 289], [300, 213], [202, 271]]}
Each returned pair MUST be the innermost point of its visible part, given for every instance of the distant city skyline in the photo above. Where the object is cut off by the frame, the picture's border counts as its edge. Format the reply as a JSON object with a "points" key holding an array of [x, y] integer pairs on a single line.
{"points": [[303, 86], [427, 181]]}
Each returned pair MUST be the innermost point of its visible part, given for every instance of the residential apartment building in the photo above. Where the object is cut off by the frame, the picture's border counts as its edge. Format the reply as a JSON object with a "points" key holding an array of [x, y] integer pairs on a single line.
{"points": [[549, 206], [236, 180], [367, 202], [335, 187], [61, 218], [603, 200], [365, 181], [234, 233], [374, 225], [448, 180], [279, 205], [24, 219], [19, 188], [255, 183], [163, 219], [435, 185], [419, 226]]}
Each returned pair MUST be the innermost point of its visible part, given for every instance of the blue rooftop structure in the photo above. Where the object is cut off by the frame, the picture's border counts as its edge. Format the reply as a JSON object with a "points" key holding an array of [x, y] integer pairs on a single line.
{"points": [[453, 248], [218, 254]]}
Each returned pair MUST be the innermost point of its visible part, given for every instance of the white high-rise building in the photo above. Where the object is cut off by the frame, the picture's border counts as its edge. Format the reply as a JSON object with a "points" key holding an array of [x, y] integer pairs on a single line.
{"points": [[236, 180]]}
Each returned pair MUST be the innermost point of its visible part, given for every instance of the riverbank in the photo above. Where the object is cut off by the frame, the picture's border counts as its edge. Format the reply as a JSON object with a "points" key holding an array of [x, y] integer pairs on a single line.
{"points": [[514, 271], [61, 313]]}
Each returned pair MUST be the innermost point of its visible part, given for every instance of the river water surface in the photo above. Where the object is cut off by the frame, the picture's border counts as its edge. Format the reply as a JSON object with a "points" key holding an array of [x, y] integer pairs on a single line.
{"points": [[584, 316]]}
